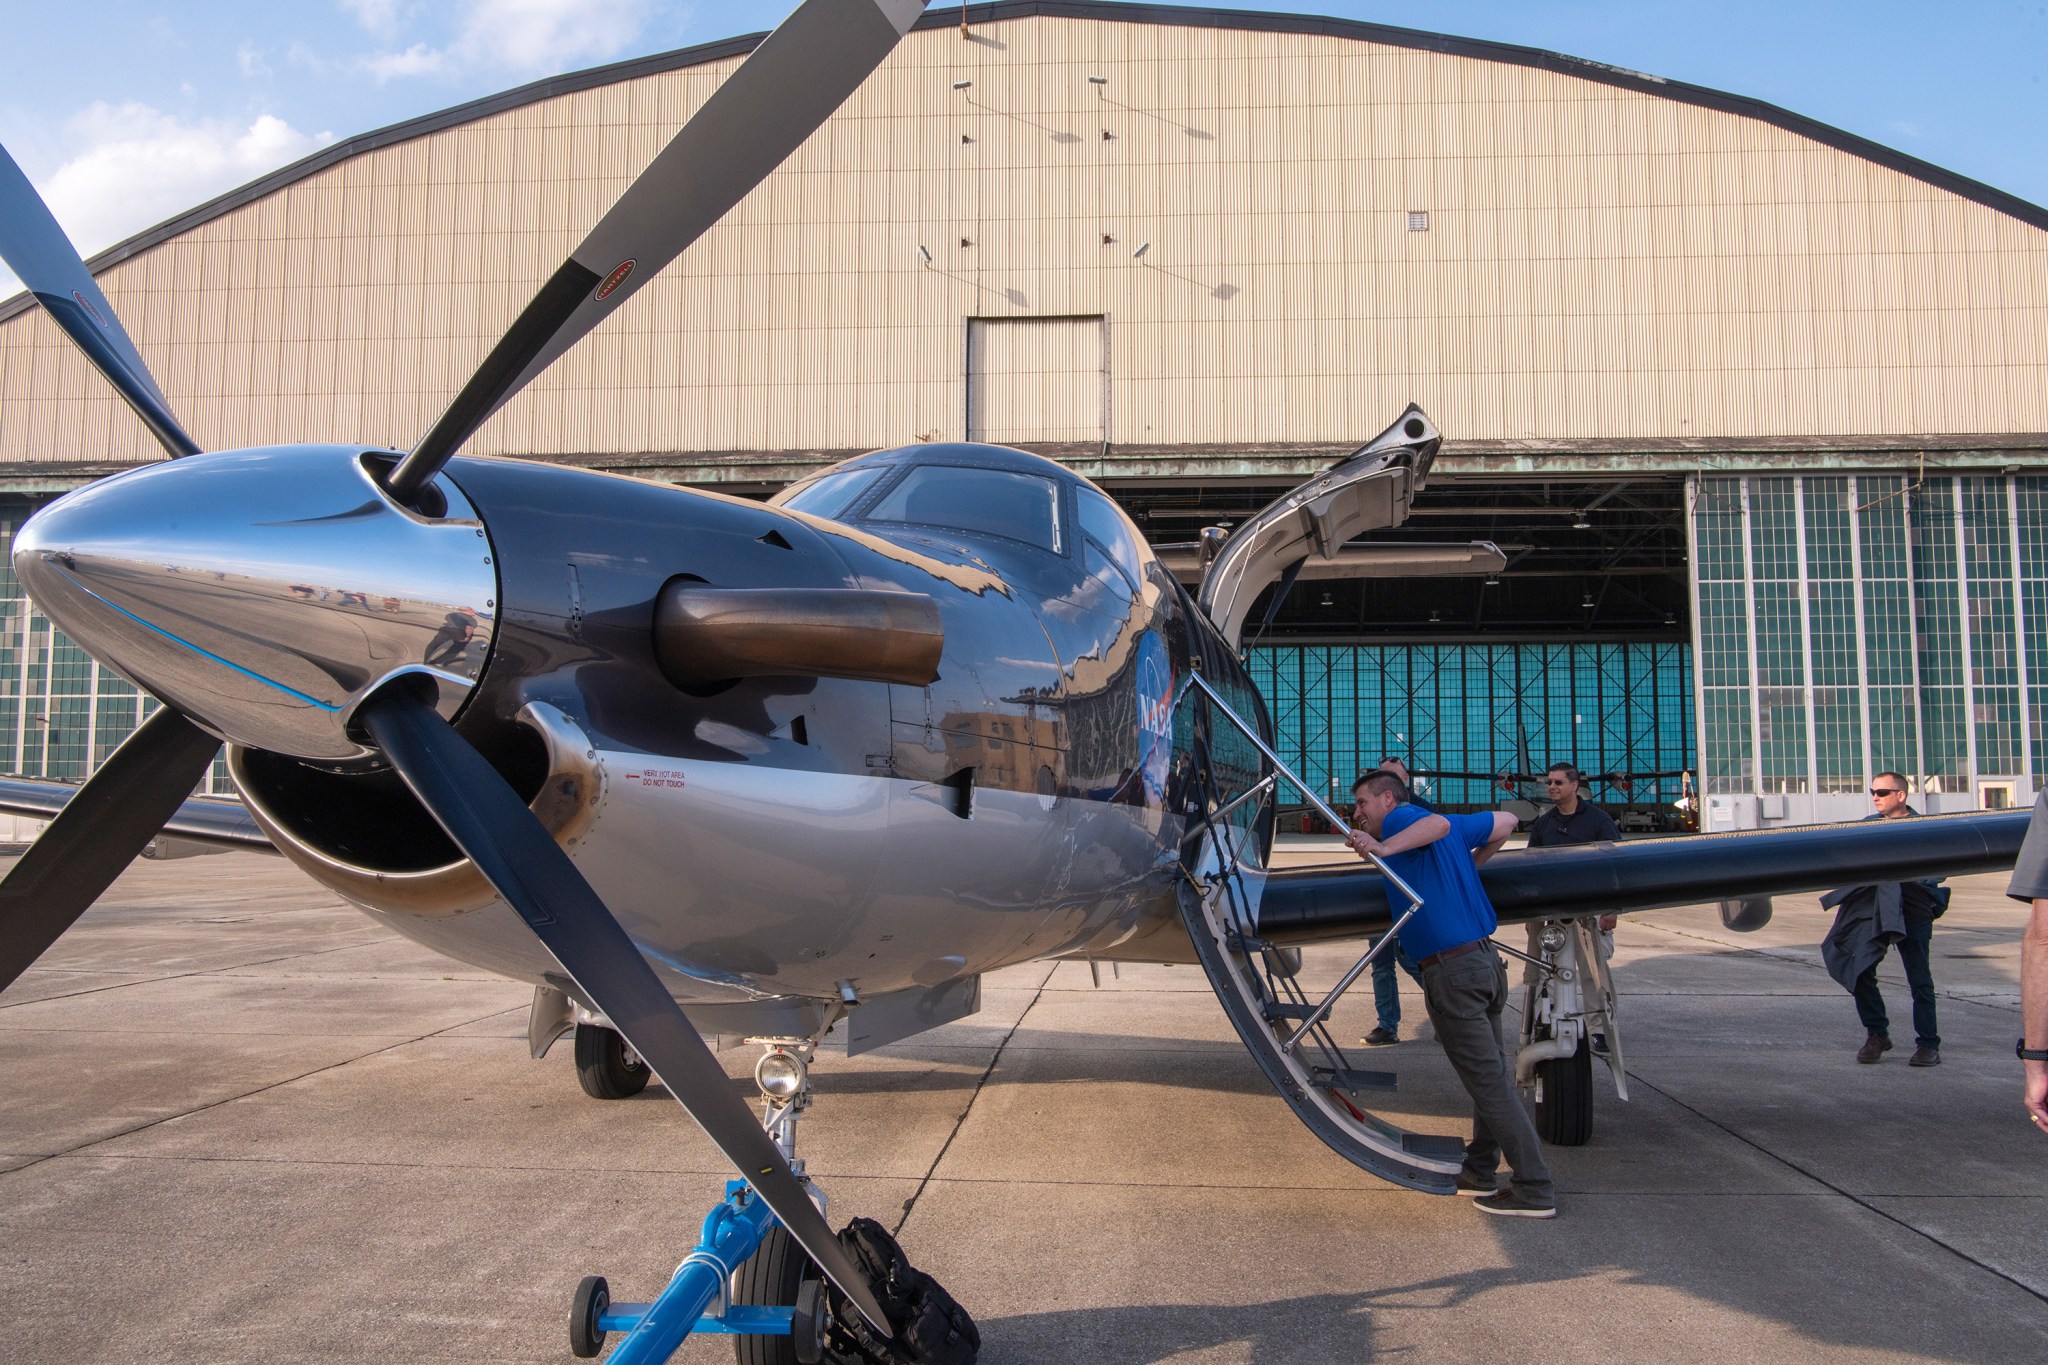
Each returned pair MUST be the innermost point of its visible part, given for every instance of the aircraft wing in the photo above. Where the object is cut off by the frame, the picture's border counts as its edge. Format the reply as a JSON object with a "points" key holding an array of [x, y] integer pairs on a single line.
{"points": [[1315, 904], [217, 823]]}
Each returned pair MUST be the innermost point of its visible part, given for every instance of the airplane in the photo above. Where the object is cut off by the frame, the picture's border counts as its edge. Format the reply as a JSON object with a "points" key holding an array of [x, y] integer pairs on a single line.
{"points": [[796, 768]]}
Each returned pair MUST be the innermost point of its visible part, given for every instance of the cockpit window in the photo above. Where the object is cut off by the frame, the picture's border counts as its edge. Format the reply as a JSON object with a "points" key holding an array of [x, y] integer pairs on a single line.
{"points": [[993, 502], [1104, 524], [834, 493]]}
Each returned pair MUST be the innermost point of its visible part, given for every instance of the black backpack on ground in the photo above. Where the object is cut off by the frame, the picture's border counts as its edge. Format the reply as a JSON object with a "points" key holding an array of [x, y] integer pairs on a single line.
{"points": [[931, 1328]]}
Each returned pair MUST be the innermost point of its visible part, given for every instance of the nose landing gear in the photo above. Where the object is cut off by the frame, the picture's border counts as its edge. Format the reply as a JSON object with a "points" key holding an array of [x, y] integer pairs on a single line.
{"points": [[772, 1300]]}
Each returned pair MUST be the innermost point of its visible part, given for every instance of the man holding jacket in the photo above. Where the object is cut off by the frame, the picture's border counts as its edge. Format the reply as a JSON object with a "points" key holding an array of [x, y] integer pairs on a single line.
{"points": [[1868, 920]]}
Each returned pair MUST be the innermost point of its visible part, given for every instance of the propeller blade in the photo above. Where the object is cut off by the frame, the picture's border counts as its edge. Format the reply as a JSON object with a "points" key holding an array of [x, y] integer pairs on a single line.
{"points": [[785, 89], [97, 834], [490, 824], [36, 249]]}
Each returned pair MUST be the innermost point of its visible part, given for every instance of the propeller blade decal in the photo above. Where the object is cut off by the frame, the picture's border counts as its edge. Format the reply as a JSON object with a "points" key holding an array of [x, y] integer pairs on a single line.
{"points": [[36, 249], [494, 828], [791, 84], [101, 829]]}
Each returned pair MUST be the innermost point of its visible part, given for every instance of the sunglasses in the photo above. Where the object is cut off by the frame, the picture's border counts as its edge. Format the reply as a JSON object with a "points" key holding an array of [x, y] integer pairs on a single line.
{"points": [[1886, 791], [1557, 781]]}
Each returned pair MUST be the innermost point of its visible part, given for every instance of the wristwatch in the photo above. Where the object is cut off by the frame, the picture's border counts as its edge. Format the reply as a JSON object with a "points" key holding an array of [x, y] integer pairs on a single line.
{"points": [[2029, 1054]]}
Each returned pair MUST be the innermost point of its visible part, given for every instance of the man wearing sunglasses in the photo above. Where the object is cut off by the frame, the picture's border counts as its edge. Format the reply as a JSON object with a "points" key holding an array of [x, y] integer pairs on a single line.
{"points": [[1868, 920]]}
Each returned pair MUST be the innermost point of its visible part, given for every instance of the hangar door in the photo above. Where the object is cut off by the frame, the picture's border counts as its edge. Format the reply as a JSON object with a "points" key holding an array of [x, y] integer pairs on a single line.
{"points": [[1036, 380]]}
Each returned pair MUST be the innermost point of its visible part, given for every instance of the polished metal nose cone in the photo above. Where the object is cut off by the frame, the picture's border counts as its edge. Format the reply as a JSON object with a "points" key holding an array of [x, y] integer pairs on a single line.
{"points": [[265, 592]]}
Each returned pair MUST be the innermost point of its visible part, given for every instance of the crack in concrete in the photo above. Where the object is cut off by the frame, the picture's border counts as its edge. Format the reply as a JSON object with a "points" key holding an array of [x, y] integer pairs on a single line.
{"points": [[181, 976], [910, 1204], [1806, 963], [1827, 1184], [90, 1143]]}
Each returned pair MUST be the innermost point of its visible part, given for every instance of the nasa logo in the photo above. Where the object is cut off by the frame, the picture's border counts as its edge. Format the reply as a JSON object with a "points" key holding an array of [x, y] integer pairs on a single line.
{"points": [[615, 279], [1155, 715], [86, 304]]}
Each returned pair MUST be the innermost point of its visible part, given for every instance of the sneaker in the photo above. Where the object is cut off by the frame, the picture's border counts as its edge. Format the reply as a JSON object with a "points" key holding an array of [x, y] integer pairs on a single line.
{"points": [[1874, 1047], [1508, 1204], [1599, 1045], [1380, 1037], [1474, 1186], [1924, 1055]]}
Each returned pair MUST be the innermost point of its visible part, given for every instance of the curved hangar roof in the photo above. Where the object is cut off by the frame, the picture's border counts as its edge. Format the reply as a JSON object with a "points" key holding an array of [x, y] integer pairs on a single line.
{"points": [[1338, 217]]}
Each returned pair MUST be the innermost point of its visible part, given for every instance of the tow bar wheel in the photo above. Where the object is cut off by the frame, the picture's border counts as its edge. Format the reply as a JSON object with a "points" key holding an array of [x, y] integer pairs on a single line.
{"points": [[593, 1296]]}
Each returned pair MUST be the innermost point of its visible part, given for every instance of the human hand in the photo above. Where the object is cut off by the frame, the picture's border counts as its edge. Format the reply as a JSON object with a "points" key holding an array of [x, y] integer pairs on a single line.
{"points": [[1361, 843], [2037, 1093]]}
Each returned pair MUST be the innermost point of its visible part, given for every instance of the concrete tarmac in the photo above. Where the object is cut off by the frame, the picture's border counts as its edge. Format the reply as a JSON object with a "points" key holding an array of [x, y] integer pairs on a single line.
{"points": [[239, 1122]]}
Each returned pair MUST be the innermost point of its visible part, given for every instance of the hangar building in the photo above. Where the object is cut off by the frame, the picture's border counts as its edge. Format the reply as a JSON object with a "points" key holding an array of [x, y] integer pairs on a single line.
{"points": [[1756, 409]]}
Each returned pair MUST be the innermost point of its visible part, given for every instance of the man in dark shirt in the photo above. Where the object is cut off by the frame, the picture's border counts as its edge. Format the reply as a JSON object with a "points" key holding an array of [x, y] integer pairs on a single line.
{"points": [[1386, 987], [1464, 984], [1571, 820], [1868, 920]]}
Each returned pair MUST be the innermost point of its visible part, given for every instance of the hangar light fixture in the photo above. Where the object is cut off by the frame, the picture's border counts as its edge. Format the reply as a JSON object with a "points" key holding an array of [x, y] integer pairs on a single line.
{"points": [[1143, 247], [962, 85], [925, 252], [1581, 522]]}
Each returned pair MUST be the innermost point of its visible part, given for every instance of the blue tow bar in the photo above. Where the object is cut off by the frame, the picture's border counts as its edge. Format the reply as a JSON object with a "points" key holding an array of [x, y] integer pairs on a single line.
{"points": [[732, 1232]]}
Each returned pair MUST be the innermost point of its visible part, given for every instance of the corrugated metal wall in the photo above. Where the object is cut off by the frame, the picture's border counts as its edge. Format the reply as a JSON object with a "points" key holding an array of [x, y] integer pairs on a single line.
{"points": [[1598, 262]]}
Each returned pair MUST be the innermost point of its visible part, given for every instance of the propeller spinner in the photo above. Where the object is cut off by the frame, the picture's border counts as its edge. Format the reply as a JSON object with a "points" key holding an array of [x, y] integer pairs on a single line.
{"points": [[337, 606]]}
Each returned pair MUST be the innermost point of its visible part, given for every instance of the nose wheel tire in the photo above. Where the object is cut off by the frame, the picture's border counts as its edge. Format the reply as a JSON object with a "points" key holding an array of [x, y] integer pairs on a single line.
{"points": [[1564, 1099], [605, 1067], [776, 1275]]}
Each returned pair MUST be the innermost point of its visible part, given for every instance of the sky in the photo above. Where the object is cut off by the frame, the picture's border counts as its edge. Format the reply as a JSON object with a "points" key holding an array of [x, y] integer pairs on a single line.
{"points": [[126, 112]]}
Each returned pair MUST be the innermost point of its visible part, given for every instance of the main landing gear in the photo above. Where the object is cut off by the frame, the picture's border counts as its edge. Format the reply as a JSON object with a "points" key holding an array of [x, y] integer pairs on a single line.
{"points": [[606, 1066], [770, 1297], [1568, 999]]}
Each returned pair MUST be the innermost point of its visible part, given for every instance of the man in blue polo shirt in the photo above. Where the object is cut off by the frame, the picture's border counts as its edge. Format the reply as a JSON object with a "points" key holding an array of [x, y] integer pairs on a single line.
{"points": [[1464, 984]]}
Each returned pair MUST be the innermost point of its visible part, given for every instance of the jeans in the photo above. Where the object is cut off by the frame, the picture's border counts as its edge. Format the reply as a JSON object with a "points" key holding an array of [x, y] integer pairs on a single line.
{"points": [[1913, 955], [1465, 996], [1386, 987]]}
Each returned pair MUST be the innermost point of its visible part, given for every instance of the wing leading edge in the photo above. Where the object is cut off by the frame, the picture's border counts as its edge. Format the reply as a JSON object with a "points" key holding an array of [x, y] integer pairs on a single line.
{"points": [[222, 824], [1316, 904]]}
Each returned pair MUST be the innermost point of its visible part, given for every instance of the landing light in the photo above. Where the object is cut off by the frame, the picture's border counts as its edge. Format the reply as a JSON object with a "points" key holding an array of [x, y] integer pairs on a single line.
{"points": [[779, 1074], [1551, 937]]}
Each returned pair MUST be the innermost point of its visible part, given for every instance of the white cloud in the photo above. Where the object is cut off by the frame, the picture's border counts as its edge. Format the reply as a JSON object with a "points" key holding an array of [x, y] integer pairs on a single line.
{"points": [[136, 166], [511, 37], [417, 60], [548, 35], [249, 60], [378, 17]]}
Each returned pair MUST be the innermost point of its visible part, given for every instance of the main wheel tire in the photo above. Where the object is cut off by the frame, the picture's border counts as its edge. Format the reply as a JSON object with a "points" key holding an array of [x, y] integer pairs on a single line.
{"points": [[606, 1068], [1564, 1107], [770, 1278]]}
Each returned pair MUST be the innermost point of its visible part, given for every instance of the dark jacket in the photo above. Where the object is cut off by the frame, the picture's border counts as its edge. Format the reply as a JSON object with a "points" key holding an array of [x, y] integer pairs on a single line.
{"points": [[1869, 919]]}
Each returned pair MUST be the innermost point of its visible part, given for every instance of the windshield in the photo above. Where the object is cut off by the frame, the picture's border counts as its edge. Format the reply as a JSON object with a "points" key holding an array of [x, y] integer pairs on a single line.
{"points": [[831, 494], [992, 502]]}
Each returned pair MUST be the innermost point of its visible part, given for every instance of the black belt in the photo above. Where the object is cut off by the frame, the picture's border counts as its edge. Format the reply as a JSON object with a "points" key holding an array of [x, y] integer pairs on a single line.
{"points": [[1447, 954]]}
